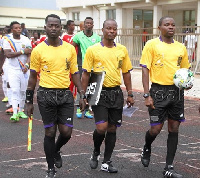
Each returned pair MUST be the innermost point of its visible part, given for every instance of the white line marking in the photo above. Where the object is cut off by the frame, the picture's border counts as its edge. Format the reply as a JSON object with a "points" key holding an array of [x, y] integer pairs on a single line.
{"points": [[27, 159]]}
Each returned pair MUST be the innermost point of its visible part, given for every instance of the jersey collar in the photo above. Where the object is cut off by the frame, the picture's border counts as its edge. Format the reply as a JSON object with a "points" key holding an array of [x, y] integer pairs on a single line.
{"points": [[103, 44], [162, 39], [61, 42]]}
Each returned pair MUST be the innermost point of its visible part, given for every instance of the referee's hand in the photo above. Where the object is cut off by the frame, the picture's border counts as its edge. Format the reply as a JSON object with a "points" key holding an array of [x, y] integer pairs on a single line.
{"points": [[130, 101], [29, 109], [149, 102], [82, 104]]}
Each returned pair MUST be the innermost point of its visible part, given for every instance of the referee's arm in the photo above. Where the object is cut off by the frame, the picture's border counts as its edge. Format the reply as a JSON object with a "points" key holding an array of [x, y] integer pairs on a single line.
{"points": [[85, 80]]}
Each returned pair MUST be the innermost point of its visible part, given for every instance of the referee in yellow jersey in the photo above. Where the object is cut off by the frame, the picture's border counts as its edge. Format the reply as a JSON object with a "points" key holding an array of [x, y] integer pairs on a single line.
{"points": [[161, 58], [112, 58], [55, 60]]}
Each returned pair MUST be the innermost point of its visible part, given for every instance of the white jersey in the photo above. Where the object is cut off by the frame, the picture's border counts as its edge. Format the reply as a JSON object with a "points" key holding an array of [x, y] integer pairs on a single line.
{"points": [[6, 59], [191, 40], [20, 44]]}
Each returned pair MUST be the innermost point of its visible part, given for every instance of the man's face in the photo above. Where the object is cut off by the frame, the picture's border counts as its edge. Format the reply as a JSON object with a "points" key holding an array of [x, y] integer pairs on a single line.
{"points": [[88, 24], [53, 27], [35, 35], [110, 30], [23, 25], [71, 26], [16, 29], [167, 27]]}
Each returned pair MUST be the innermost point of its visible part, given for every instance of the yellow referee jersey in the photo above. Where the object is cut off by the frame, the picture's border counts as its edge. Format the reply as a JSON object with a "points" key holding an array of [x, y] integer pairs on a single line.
{"points": [[163, 60], [54, 64], [111, 60]]}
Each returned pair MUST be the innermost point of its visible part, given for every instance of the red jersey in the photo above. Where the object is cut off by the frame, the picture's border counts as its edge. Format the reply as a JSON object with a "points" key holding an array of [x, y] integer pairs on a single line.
{"points": [[34, 43], [68, 38], [42, 39]]}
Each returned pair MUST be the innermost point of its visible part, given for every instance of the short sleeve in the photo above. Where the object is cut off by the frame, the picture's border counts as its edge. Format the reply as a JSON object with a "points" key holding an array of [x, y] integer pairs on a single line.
{"points": [[73, 61], [76, 39], [147, 56], [185, 62], [127, 66], [6, 44], [88, 60], [35, 61]]}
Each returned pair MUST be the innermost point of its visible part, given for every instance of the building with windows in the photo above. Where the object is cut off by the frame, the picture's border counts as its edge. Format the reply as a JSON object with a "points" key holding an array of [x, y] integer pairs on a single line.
{"points": [[136, 18], [133, 13], [32, 13]]}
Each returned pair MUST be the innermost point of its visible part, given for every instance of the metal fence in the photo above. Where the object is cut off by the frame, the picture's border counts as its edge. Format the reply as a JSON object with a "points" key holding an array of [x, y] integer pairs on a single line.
{"points": [[135, 39]]}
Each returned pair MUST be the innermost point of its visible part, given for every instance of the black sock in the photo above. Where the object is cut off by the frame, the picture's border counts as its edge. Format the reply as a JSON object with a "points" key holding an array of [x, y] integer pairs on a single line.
{"points": [[109, 145], [86, 108], [60, 142], [49, 149], [149, 139], [172, 143], [98, 139]]}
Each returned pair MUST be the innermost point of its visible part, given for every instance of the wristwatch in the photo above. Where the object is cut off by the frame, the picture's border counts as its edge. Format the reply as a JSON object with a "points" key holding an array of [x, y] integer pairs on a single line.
{"points": [[130, 94], [146, 95]]}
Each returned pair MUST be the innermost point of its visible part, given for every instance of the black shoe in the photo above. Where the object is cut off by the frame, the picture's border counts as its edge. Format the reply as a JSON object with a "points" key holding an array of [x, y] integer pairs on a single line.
{"points": [[51, 173], [169, 172], [58, 159], [94, 160], [145, 157], [108, 167]]}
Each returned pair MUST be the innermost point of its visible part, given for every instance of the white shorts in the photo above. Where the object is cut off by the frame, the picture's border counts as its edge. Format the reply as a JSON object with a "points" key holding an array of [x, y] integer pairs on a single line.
{"points": [[18, 81], [5, 72]]}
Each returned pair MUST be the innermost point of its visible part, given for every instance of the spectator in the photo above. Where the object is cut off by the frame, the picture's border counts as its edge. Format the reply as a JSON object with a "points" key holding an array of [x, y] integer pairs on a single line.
{"points": [[24, 30], [144, 38], [191, 43]]}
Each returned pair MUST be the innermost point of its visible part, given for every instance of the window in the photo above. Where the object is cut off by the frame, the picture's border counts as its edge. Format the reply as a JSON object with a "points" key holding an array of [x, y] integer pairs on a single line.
{"points": [[189, 18], [76, 16], [111, 14], [147, 15], [137, 14], [143, 18]]}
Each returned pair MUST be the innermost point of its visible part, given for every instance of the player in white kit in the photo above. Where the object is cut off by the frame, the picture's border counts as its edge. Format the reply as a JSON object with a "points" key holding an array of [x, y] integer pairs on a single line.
{"points": [[17, 49], [4, 73], [3, 64]]}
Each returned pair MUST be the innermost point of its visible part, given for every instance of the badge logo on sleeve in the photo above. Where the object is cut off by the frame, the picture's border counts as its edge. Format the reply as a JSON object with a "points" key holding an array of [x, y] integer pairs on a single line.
{"points": [[67, 64], [179, 61], [120, 64]]}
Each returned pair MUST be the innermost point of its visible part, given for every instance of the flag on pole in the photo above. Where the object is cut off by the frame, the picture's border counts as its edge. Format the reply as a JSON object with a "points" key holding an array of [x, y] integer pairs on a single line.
{"points": [[30, 120]]}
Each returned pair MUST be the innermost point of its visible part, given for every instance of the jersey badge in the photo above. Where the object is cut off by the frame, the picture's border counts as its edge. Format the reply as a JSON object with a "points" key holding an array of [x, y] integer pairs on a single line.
{"points": [[67, 64], [93, 40], [179, 60], [120, 64]]}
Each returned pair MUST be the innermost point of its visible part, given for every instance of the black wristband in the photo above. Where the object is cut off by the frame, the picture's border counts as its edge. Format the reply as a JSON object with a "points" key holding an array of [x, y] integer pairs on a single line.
{"points": [[29, 96]]}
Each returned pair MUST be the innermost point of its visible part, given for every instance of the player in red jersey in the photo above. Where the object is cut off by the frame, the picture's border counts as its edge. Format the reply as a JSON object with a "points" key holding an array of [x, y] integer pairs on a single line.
{"points": [[68, 37], [35, 41], [70, 31]]}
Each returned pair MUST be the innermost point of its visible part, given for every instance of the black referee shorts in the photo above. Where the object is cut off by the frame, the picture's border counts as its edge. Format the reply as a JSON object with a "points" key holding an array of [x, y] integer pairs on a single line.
{"points": [[110, 106], [168, 102], [56, 106]]}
